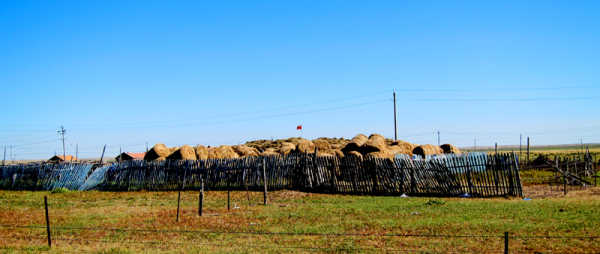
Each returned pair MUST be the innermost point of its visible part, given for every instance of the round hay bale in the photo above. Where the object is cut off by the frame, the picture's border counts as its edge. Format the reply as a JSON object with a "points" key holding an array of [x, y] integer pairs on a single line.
{"points": [[305, 146], [322, 144], [355, 144], [402, 147], [425, 150], [183, 153], [339, 153], [243, 150], [448, 148], [269, 152], [376, 143], [222, 152], [201, 152], [157, 151], [286, 148]]}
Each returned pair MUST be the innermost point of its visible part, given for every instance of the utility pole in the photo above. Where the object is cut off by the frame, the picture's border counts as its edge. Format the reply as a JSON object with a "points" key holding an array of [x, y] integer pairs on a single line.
{"points": [[62, 132], [438, 132], [395, 121], [146, 146], [520, 145], [527, 151], [102, 156], [76, 152]]}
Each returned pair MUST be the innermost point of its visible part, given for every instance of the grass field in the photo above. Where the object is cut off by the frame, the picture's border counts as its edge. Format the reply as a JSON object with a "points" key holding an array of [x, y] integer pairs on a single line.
{"points": [[312, 222]]}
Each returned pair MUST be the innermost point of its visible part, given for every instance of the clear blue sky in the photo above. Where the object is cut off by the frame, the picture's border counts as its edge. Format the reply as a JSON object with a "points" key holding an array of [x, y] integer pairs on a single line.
{"points": [[124, 73]]}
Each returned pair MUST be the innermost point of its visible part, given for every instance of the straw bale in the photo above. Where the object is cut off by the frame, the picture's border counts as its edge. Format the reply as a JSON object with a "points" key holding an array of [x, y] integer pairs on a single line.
{"points": [[322, 144], [201, 152], [159, 150], [338, 153], [375, 143], [244, 150], [269, 152], [286, 148], [424, 150], [185, 152], [355, 144], [403, 147], [305, 146], [448, 148], [222, 152], [387, 154]]}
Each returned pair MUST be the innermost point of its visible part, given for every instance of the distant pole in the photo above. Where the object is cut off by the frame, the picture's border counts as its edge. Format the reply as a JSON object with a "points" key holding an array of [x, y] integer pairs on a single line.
{"points": [[395, 120], [496, 147], [528, 151], [76, 152], [62, 132], [102, 156], [120, 154], [520, 145], [146, 146], [438, 133]]}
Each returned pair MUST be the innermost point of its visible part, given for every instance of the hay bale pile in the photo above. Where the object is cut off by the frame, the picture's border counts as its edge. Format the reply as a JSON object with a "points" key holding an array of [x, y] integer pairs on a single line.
{"points": [[201, 152], [183, 153], [359, 146], [448, 148], [158, 152], [424, 150]]}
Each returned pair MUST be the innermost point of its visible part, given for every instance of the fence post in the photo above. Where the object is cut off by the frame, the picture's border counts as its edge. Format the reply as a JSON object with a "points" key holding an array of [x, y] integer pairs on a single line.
{"points": [[505, 242], [47, 221], [201, 198], [264, 169]]}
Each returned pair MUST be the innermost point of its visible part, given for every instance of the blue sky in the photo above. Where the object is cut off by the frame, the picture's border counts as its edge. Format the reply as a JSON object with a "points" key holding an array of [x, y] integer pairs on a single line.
{"points": [[124, 73]]}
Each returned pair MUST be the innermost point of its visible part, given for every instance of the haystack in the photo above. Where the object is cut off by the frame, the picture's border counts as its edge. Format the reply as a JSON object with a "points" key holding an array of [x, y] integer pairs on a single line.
{"points": [[244, 150], [158, 151], [338, 153], [376, 143], [402, 147], [424, 150], [322, 144], [286, 148], [355, 144], [183, 153], [201, 152], [305, 146], [269, 152], [222, 152], [386, 154], [448, 148]]}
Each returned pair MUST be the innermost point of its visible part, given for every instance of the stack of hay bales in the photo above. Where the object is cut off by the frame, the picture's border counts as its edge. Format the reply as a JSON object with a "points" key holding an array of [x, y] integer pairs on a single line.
{"points": [[375, 143], [354, 154], [448, 148], [183, 153], [201, 152], [269, 152], [244, 150], [286, 148], [402, 147], [222, 152], [157, 153], [305, 146], [355, 144], [425, 150]]}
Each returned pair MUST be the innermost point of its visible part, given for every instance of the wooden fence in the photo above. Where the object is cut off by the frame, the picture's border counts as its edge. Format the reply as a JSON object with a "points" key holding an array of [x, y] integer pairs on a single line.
{"points": [[477, 175]]}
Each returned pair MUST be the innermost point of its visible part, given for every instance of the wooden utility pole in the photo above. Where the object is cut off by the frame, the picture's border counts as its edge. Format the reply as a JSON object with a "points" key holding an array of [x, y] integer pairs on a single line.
{"points": [[438, 133], [527, 151], [76, 152], [62, 132], [102, 156], [395, 120]]}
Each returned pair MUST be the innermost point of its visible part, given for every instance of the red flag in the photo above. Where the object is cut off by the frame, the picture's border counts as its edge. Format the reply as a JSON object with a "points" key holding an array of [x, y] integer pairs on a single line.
{"points": [[299, 127]]}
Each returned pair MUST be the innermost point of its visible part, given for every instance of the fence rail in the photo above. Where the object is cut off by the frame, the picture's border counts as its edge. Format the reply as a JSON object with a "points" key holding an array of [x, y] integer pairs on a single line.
{"points": [[478, 175]]}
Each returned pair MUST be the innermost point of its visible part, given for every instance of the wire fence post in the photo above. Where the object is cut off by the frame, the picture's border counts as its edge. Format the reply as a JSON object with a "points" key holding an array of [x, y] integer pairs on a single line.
{"points": [[505, 242], [47, 221]]}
